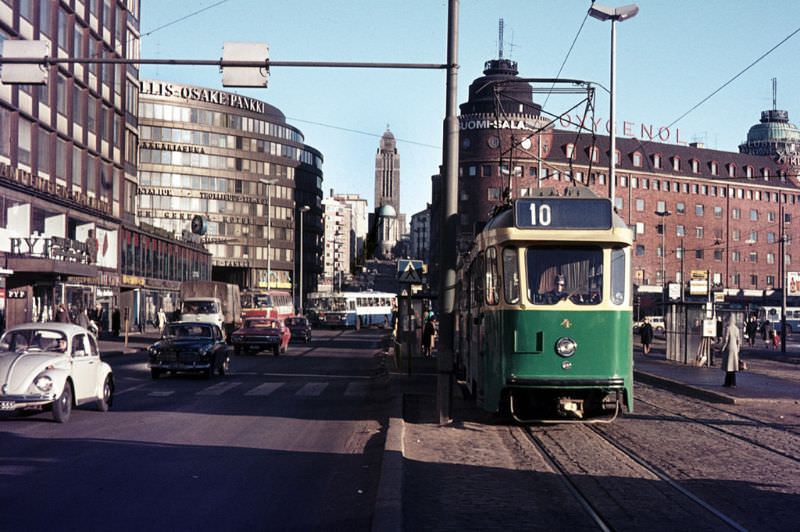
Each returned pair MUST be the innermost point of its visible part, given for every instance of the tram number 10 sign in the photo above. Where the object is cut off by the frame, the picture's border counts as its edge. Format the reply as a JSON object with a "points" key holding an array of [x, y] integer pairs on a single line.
{"points": [[562, 213]]}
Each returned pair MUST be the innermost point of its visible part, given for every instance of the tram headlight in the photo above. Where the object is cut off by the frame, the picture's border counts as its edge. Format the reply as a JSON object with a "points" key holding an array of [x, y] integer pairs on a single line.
{"points": [[566, 347]]}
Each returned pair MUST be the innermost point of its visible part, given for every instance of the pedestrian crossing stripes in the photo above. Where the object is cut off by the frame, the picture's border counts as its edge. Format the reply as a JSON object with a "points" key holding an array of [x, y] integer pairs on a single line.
{"points": [[219, 388], [308, 389], [265, 389], [312, 389]]}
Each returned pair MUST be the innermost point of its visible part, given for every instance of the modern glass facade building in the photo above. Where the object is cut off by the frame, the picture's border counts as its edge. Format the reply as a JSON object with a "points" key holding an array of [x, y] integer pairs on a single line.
{"points": [[235, 162]]}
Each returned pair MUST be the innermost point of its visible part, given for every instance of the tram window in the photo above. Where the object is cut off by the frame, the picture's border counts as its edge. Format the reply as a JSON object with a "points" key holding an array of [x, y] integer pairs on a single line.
{"points": [[492, 277], [557, 274], [511, 275], [617, 276]]}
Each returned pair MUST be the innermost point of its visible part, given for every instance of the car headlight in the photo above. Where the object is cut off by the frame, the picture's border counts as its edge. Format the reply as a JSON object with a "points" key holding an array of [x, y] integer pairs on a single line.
{"points": [[566, 347], [44, 383]]}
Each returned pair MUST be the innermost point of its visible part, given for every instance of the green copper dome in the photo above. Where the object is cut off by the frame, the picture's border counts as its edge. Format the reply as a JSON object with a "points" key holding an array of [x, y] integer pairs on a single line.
{"points": [[774, 130]]}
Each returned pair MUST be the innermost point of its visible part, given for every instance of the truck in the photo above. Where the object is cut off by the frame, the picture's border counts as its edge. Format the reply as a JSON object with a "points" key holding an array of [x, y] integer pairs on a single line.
{"points": [[212, 301]]}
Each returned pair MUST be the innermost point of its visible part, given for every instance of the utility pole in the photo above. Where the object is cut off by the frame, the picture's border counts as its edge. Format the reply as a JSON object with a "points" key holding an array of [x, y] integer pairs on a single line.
{"points": [[449, 222]]}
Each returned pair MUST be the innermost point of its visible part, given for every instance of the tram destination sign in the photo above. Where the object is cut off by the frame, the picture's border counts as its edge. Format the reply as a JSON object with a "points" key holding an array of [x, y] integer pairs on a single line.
{"points": [[562, 213]]}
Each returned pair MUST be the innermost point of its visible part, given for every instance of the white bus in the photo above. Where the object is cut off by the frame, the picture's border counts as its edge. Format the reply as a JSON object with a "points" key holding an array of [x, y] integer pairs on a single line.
{"points": [[773, 315], [351, 309]]}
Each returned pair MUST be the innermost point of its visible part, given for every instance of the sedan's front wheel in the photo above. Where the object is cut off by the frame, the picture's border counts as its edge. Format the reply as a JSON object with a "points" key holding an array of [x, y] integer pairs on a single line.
{"points": [[62, 408], [225, 368]]}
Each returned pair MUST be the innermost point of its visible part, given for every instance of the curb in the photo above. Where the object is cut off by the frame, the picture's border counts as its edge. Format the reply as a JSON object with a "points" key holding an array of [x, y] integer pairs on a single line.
{"points": [[388, 514], [686, 389]]}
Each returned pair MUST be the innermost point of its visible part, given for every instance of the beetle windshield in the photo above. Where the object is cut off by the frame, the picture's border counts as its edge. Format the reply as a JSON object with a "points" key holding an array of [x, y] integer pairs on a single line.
{"points": [[34, 340]]}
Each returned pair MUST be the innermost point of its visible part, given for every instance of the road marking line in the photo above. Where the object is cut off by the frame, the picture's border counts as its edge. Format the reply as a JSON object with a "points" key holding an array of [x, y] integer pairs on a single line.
{"points": [[219, 388], [312, 389], [164, 393], [131, 389], [356, 389], [265, 389]]}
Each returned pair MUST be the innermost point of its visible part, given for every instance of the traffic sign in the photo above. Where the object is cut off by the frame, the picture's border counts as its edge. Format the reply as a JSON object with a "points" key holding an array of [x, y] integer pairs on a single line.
{"points": [[409, 271]]}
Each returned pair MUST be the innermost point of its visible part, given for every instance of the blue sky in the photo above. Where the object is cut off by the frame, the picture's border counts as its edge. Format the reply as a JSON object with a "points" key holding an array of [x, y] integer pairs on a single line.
{"points": [[671, 56]]}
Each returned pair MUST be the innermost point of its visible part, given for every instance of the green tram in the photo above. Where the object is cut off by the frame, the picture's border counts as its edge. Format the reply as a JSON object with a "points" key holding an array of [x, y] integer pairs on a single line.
{"points": [[544, 310]]}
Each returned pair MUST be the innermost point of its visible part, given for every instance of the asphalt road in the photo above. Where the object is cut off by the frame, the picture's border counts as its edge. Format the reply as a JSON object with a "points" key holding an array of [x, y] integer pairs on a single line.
{"points": [[284, 443]]}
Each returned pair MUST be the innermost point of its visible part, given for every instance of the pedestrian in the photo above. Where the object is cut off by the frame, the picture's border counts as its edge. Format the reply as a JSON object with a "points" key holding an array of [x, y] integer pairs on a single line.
{"points": [[776, 339], [646, 335], [768, 334], [62, 316], [82, 319], [162, 320], [752, 330], [115, 322], [428, 332], [730, 350]]}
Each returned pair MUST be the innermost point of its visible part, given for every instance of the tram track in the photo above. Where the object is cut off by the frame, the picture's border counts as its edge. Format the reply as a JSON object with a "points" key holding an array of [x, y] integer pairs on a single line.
{"points": [[616, 487], [714, 425]]}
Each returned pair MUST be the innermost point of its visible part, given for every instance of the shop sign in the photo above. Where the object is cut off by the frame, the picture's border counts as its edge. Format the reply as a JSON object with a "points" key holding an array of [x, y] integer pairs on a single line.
{"points": [[17, 294], [173, 90], [132, 280], [793, 279], [53, 247]]}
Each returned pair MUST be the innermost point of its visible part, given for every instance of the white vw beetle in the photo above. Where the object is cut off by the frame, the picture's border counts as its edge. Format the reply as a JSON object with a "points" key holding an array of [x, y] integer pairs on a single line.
{"points": [[54, 364]]}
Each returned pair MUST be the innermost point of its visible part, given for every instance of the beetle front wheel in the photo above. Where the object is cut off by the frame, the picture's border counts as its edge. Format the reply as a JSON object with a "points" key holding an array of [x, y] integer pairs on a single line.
{"points": [[62, 407]]}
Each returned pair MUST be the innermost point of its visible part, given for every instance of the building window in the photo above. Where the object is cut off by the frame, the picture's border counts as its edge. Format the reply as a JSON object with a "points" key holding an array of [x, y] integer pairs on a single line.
{"points": [[486, 170], [637, 159], [754, 280], [736, 213], [679, 252], [753, 256], [753, 237], [618, 203], [770, 237], [770, 258], [714, 170], [736, 235], [661, 206], [676, 164], [698, 253], [748, 171], [753, 215], [698, 209], [639, 204], [657, 161], [640, 250], [472, 171], [770, 279], [594, 153], [570, 150], [731, 170], [623, 181], [717, 211], [24, 142], [736, 256], [717, 254], [695, 188], [680, 207], [493, 193], [634, 182], [680, 230]]}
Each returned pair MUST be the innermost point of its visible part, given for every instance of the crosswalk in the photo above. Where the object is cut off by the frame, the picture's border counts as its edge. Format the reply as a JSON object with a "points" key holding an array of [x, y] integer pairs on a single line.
{"points": [[352, 389]]}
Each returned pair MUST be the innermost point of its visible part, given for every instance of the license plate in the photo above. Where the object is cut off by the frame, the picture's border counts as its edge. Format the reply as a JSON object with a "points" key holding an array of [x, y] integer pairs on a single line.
{"points": [[7, 405]]}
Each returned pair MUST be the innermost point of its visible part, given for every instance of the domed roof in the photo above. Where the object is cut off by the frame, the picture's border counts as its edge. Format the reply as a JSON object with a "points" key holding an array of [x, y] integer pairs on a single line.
{"points": [[774, 126], [483, 99]]}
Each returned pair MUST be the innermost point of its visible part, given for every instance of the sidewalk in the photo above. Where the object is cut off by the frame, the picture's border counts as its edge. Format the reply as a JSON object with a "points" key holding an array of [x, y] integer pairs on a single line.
{"points": [[111, 346], [457, 476]]}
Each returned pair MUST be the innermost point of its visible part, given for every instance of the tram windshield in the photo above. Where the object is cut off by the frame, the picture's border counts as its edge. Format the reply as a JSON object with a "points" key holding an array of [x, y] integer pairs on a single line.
{"points": [[558, 274]]}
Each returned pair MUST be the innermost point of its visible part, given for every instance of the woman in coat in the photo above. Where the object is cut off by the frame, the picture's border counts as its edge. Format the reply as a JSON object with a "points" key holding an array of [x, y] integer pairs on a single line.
{"points": [[730, 349]]}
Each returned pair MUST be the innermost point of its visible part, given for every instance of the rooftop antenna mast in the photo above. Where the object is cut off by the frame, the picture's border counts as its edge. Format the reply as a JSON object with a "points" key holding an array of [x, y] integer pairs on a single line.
{"points": [[774, 93], [500, 40]]}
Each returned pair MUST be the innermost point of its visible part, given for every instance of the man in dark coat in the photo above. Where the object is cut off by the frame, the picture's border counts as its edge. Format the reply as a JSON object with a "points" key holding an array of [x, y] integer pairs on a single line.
{"points": [[115, 322], [646, 335], [62, 316]]}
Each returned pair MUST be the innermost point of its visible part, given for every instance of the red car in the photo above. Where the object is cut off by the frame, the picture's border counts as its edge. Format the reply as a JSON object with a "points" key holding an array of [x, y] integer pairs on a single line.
{"points": [[258, 334]]}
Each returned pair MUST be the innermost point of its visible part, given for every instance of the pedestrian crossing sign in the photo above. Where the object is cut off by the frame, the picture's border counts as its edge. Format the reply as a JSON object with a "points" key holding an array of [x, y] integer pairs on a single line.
{"points": [[409, 271]]}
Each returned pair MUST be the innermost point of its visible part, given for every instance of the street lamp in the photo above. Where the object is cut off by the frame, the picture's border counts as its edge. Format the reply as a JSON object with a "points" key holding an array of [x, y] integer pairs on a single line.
{"points": [[304, 209], [269, 183], [663, 215], [613, 14]]}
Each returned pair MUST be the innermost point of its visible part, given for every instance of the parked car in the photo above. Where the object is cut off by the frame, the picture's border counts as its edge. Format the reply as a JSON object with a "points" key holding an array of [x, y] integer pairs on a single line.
{"points": [[190, 346], [258, 334], [300, 328], [53, 365]]}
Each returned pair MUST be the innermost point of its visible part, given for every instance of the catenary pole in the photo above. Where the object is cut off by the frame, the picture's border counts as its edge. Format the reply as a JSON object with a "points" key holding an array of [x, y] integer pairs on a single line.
{"points": [[447, 250]]}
